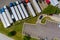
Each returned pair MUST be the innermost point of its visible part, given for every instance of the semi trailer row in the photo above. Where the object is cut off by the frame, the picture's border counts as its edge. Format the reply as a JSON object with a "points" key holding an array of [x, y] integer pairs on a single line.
{"points": [[19, 12]]}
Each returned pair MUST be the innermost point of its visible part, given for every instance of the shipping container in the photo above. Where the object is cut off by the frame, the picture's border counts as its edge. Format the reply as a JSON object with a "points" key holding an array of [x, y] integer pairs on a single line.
{"points": [[24, 10], [36, 6], [2, 19], [8, 14], [13, 11], [5, 17], [31, 9], [20, 10], [17, 11]]}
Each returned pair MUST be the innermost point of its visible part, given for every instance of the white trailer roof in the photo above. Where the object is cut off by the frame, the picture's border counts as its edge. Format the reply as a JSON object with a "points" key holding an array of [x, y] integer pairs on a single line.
{"points": [[36, 6], [31, 9], [54, 2]]}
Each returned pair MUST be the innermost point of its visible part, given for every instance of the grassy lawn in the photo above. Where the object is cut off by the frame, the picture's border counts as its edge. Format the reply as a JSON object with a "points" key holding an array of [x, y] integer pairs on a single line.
{"points": [[44, 19], [16, 27], [32, 20]]}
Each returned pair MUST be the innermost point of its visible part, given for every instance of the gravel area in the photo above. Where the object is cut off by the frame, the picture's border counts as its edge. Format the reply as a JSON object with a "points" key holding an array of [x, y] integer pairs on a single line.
{"points": [[6, 2]]}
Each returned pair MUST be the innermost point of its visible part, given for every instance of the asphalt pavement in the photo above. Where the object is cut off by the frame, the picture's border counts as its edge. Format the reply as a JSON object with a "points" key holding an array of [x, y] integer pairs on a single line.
{"points": [[49, 30]]}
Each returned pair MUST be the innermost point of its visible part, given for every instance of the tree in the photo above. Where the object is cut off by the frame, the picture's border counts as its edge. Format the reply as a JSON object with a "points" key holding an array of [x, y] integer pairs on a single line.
{"points": [[12, 33], [57, 11], [51, 10]]}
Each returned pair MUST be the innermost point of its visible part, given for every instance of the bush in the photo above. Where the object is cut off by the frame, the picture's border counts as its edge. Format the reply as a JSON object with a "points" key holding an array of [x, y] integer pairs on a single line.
{"points": [[12, 33]]}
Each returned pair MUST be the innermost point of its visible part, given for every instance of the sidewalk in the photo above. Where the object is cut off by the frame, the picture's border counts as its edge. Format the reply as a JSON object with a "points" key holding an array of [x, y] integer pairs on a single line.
{"points": [[55, 18]]}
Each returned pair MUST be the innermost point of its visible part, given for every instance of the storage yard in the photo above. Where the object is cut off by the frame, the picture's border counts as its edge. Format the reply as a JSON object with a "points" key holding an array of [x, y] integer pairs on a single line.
{"points": [[17, 11], [7, 18]]}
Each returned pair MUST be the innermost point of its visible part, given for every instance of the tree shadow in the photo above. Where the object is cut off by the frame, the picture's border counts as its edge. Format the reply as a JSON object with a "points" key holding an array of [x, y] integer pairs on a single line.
{"points": [[27, 36]]}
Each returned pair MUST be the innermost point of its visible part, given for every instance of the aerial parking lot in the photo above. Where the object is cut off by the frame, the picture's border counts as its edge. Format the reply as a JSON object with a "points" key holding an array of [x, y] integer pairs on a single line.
{"points": [[49, 30]]}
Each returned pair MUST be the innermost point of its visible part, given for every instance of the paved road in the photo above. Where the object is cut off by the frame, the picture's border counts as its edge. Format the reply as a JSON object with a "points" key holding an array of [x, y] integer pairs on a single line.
{"points": [[50, 30], [4, 37]]}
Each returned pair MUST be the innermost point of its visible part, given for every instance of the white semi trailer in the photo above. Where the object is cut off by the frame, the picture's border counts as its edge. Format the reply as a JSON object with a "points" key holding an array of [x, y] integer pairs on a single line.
{"points": [[13, 11], [2, 19], [36, 6], [24, 10], [31, 9], [8, 14], [20, 10], [17, 11], [5, 17]]}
